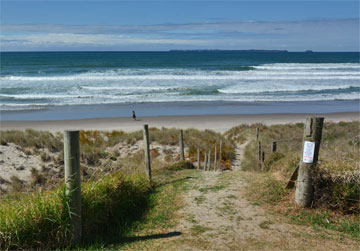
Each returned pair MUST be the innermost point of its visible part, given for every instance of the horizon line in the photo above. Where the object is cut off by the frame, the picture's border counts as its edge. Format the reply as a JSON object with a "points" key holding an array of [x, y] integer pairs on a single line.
{"points": [[191, 50]]}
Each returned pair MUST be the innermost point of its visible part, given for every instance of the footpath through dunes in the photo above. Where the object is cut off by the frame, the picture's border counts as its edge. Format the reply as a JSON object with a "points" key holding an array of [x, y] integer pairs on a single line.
{"points": [[217, 215]]}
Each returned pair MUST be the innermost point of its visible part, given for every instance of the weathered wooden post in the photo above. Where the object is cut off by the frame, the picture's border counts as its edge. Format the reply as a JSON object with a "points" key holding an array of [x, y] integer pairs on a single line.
{"points": [[262, 161], [209, 160], [205, 161], [220, 150], [215, 157], [198, 158], [181, 144], [257, 134], [73, 181], [311, 145], [147, 152], [259, 154], [273, 147]]}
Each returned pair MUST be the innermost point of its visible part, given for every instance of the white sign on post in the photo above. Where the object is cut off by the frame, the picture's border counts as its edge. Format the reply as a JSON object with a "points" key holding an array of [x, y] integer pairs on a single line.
{"points": [[309, 150]]}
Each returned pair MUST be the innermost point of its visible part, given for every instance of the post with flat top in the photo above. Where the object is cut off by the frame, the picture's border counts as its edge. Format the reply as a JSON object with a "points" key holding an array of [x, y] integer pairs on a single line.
{"points": [[181, 144], [273, 147], [147, 152], [209, 160], [205, 161], [311, 145], [220, 150], [198, 158], [260, 154], [73, 182], [215, 157]]}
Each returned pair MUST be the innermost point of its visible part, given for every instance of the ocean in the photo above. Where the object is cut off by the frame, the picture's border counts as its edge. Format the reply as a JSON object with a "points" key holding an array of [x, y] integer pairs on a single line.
{"points": [[33, 81]]}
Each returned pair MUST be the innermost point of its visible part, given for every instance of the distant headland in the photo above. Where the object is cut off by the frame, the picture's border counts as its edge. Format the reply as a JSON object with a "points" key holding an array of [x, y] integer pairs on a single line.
{"points": [[218, 50]]}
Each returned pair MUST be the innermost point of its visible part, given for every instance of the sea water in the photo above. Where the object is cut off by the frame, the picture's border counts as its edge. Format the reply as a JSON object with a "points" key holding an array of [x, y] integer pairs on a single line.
{"points": [[46, 80]]}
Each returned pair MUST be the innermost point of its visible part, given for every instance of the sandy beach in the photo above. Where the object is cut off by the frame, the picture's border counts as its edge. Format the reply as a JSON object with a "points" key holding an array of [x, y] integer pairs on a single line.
{"points": [[219, 123]]}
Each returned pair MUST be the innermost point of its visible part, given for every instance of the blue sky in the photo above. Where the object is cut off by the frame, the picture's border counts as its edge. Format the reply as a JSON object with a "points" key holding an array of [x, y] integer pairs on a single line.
{"points": [[163, 25]]}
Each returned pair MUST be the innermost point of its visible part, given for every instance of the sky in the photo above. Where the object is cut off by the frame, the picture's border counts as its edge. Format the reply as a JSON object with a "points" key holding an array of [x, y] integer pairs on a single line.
{"points": [[165, 25]]}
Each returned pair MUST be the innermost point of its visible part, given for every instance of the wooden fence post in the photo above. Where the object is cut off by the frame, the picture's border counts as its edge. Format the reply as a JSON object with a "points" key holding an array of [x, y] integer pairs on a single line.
{"points": [[209, 161], [262, 161], [257, 134], [273, 148], [73, 182], [215, 158], [259, 154], [220, 150], [181, 144], [147, 152], [311, 145], [205, 161], [198, 158]]}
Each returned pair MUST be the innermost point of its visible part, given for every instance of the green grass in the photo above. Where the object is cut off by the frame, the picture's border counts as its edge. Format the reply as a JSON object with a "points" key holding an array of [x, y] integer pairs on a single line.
{"points": [[324, 219], [116, 208], [200, 199], [266, 191], [157, 221], [41, 220], [265, 224], [34, 221], [211, 188], [198, 229]]}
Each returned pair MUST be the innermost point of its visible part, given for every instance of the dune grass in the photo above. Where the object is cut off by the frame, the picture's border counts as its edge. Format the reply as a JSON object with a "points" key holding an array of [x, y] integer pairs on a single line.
{"points": [[33, 139], [336, 203]]}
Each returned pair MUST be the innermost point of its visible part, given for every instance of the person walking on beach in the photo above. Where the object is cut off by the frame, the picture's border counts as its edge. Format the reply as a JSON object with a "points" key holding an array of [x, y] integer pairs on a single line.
{"points": [[133, 115]]}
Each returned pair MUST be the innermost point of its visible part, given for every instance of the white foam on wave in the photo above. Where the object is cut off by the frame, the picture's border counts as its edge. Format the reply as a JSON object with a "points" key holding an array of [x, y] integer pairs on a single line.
{"points": [[265, 83], [173, 77], [245, 98], [281, 89], [308, 66]]}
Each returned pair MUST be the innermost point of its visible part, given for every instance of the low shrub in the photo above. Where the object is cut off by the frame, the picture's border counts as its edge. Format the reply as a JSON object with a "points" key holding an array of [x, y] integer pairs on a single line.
{"points": [[182, 165], [337, 192]]}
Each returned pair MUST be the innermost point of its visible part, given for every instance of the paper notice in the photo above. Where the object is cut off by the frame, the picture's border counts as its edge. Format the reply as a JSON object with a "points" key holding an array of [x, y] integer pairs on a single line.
{"points": [[309, 149]]}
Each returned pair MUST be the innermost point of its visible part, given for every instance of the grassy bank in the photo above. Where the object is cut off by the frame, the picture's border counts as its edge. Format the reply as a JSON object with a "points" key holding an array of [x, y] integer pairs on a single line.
{"points": [[117, 200], [105, 151], [336, 204], [41, 220]]}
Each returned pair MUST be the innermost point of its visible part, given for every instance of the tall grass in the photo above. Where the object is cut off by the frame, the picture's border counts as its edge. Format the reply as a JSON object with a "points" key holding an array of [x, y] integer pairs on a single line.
{"points": [[41, 220]]}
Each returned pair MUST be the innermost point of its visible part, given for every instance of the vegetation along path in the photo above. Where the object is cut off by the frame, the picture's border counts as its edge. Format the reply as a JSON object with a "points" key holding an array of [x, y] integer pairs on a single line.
{"points": [[218, 214]]}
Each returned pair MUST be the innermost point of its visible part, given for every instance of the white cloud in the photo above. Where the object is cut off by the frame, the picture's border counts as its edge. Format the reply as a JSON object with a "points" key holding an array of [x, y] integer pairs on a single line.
{"points": [[321, 35]]}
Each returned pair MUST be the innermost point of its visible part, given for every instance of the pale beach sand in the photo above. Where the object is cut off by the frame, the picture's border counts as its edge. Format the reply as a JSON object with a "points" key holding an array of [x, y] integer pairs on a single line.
{"points": [[219, 123]]}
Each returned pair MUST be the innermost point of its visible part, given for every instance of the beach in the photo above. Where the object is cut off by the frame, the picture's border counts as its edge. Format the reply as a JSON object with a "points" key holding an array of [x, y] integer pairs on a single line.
{"points": [[218, 123]]}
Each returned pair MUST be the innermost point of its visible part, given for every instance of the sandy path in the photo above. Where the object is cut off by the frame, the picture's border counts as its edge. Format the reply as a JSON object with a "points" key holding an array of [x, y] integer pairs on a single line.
{"points": [[217, 216], [239, 149]]}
